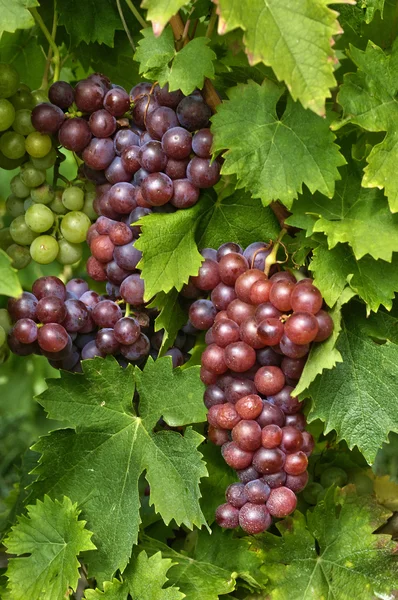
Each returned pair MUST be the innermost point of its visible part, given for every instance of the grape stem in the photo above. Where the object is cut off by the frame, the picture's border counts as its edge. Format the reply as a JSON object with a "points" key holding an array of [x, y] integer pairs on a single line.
{"points": [[271, 258], [44, 81], [137, 15], [127, 310], [56, 58], [212, 22], [125, 26]]}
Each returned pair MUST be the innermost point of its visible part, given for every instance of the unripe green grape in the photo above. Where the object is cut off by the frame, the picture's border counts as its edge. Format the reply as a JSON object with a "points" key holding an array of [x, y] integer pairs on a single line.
{"points": [[56, 205], [73, 198], [46, 162], [44, 194], [3, 336], [10, 164], [39, 218], [20, 232], [31, 176], [20, 256], [74, 227], [18, 188], [311, 492], [22, 99], [5, 320], [7, 114], [9, 80], [363, 483], [334, 476], [28, 202], [44, 249], [88, 207], [23, 123], [12, 145], [15, 206], [69, 254], [38, 144], [5, 238], [39, 96]]}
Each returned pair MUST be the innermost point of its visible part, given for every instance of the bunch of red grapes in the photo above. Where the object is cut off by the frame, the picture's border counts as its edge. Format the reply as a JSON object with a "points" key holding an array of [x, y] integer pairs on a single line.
{"points": [[259, 335], [139, 144]]}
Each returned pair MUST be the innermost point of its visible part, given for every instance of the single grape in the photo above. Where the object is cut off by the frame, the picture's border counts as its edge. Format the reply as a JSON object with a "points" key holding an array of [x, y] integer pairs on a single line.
{"points": [[23, 123], [127, 256], [271, 436], [74, 226], [116, 172], [239, 357], [226, 416], [202, 314], [132, 290], [52, 337], [19, 255], [227, 516], [285, 401], [31, 176], [122, 197], [235, 457], [102, 124], [77, 315], [257, 491], [213, 360], [15, 206], [254, 518], [248, 474], [7, 114], [73, 198], [236, 495], [51, 309], [296, 463], [106, 341], [325, 325], [281, 502], [39, 218], [247, 434], [12, 145], [89, 95], [61, 94], [297, 483], [231, 266], [222, 296], [75, 134], [292, 350], [9, 80], [117, 102], [49, 286], [301, 328], [203, 173], [106, 313], [270, 331], [47, 118], [177, 143], [127, 330], [25, 331], [20, 232], [125, 138], [142, 109], [166, 98], [44, 249], [43, 194], [99, 153], [193, 113], [129, 158], [138, 350], [157, 189], [306, 298], [91, 350], [201, 143], [160, 120], [268, 460], [37, 144], [18, 188], [23, 307], [177, 169]]}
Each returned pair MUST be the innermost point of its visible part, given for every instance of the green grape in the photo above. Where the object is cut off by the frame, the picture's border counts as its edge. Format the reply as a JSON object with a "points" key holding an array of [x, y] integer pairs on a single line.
{"points": [[31, 176], [44, 194], [363, 483], [311, 492], [334, 476], [10, 164], [56, 205], [3, 336], [88, 207], [20, 256], [18, 188], [14, 206], [47, 161], [73, 198], [5, 320], [38, 144], [44, 249], [23, 122], [22, 99], [7, 114], [12, 145], [9, 80], [5, 238], [39, 96], [39, 218], [20, 232], [74, 227], [69, 254], [28, 202]]}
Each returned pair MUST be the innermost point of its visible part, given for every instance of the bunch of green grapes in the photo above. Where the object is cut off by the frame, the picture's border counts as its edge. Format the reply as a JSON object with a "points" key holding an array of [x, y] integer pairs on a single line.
{"points": [[47, 223]]}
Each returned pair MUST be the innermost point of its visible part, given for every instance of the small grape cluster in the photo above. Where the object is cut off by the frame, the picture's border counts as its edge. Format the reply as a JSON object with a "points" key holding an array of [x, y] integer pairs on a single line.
{"points": [[259, 335], [142, 142]]}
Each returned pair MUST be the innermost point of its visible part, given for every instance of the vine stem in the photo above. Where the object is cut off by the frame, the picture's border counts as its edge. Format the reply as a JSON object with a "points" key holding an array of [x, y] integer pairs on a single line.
{"points": [[125, 26], [137, 15], [128, 310], [53, 45], [212, 22], [44, 81], [271, 258]]}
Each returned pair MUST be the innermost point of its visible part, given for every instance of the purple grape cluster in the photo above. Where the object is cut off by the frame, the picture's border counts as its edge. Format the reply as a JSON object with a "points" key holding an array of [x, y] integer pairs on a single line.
{"points": [[151, 146], [259, 332]]}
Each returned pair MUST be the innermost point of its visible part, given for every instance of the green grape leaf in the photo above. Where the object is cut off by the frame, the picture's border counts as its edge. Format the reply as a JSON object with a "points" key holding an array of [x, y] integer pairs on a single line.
{"points": [[214, 486], [333, 552], [9, 282], [237, 217], [368, 98], [171, 317], [99, 461], [371, 6], [356, 215], [97, 21], [191, 65], [160, 11], [143, 578], [272, 157], [15, 15], [294, 38], [358, 397], [53, 537], [382, 325], [21, 49], [155, 53], [324, 355]]}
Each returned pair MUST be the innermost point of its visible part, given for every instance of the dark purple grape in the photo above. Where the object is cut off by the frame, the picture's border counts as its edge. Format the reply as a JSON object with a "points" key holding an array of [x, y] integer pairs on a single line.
{"points": [[235, 457], [139, 349], [177, 143], [76, 315], [239, 388], [274, 480], [52, 337], [213, 395], [84, 338], [292, 350], [51, 309], [117, 102], [139, 176], [120, 234], [245, 282], [185, 194], [125, 138], [239, 357], [227, 516], [23, 307], [112, 290], [139, 90], [90, 299], [21, 349], [177, 357], [306, 298], [267, 357], [297, 420], [77, 287], [201, 143], [142, 108], [127, 330], [202, 314], [89, 95], [301, 328], [122, 197], [160, 120], [248, 474], [210, 253], [225, 332], [257, 491], [116, 274], [75, 134], [97, 177], [127, 256], [254, 518], [49, 286], [227, 248], [91, 350], [134, 216], [102, 124], [285, 401], [68, 363], [61, 94], [166, 98], [116, 173], [177, 169], [297, 483], [292, 439], [247, 434], [101, 80], [106, 341], [325, 326], [236, 495], [130, 160], [25, 331], [99, 153], [193, 113], [270, 331], [157, 189], [268, 460], [293, 367], [152, 158], [47, 118], [203, 173], [132, 290], [145, 138], [222, 296], [106, 313], [231, 266], [256, 254], [282, 502], [270, 414]]}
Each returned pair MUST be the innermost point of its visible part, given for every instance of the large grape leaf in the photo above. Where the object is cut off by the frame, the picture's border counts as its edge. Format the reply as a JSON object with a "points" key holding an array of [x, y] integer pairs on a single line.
{"points": [[356, 215], [368, 98], [160, 11], [293, 37], [9, 282], [53, 537], [15, 15], [170, 318], [154, 54], [21, 49], [333, 552], [143, 578], [98, 462], [272, 157], [358, 398], [96, 22]]}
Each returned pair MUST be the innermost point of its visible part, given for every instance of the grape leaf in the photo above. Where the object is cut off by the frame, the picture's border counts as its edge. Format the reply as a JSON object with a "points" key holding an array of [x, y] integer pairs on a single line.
{"points": [[15, 15], [368, 98], [325, 355], [143, 578], [171, 317], [111, 444], [382, 325], [22, 50], [160, 11], [332, 553], [53, 537], [9, 282], [214, 486], [97, 21], [371, 6], [358, 397], [274, 156], [191, 65], [155, 53], [292, 37], [356, 215]]}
